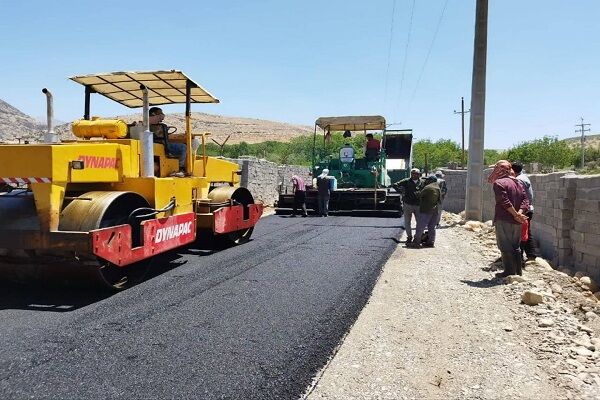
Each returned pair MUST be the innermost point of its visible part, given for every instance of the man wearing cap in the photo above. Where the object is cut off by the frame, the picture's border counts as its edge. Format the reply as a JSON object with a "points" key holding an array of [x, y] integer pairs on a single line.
{"points": [[409, 188], [323, 188], [443, 190], [429, 197]]}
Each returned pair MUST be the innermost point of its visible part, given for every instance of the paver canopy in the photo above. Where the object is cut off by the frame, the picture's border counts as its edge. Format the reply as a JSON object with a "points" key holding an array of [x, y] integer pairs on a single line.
{"points": [[351, 123]]}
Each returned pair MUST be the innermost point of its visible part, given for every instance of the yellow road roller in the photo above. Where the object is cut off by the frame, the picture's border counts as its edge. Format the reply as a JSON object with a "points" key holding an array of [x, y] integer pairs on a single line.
{"points": [[101, 207]]}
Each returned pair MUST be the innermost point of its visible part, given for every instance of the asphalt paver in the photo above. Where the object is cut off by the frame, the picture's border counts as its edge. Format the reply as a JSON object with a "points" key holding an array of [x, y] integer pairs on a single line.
{"points": [[253, 321]]}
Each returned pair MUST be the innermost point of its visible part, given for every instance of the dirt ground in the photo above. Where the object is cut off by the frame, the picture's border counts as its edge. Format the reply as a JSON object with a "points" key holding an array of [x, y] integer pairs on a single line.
{"points": [[440, 325]]}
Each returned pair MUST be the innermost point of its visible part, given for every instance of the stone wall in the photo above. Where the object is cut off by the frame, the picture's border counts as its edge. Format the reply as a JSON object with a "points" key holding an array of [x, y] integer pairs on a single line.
{"points": [[285, 173], [566, 219], [265, 179]]}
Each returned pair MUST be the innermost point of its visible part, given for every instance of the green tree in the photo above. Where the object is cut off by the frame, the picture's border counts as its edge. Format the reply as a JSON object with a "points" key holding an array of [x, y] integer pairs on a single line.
{"points": [[430, 155], [549, 151], [491, 156]]}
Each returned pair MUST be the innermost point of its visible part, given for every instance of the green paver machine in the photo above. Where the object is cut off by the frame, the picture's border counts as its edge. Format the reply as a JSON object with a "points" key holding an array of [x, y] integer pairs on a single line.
{"points": [[363, 181]]}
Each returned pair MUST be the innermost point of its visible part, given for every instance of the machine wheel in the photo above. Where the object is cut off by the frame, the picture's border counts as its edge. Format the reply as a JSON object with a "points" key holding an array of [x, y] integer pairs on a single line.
{"points": [[94, 210], [239, 195]]}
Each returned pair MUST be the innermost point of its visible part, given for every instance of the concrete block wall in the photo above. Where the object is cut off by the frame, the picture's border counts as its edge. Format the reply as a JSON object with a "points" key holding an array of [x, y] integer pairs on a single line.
{"points": [[487, 196], [553, 215], [585, 228], [456, 183], [566, 219]]}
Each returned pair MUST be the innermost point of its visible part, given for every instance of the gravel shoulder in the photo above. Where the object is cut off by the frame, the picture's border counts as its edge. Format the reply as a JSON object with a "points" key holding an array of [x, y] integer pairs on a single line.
{"points": [[438, 325]]}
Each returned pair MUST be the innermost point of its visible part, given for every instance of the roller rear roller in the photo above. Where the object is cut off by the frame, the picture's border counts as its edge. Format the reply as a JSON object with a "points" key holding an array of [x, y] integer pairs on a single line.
{"points": [[91, 210]]}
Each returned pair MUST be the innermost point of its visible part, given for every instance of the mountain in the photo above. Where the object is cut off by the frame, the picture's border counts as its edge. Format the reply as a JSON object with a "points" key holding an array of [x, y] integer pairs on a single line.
{"points": [[15, 125], [249, 130]]}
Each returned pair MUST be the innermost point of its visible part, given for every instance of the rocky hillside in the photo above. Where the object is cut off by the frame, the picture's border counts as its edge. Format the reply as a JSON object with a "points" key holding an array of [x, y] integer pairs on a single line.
{"points": [[591, 141], [14, 125]]}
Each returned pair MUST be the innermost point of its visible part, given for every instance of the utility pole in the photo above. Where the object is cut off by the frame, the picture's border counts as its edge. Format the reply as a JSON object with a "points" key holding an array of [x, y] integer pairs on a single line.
{"points": [[474, 194], [462, 113], [583, 130]]}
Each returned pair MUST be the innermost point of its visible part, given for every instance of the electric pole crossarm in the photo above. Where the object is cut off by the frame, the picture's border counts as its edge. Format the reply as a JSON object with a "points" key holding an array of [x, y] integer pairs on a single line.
{"points": [[583, 130]]}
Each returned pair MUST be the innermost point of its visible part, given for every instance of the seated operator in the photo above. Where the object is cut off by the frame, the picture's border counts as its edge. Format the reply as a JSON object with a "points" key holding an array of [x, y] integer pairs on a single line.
{"points": [[372, 148], [160, 135]]}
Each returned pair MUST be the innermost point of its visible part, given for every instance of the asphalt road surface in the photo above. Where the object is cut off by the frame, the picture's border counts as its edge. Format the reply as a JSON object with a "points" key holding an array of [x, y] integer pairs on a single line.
{"points": [[256, 321]]}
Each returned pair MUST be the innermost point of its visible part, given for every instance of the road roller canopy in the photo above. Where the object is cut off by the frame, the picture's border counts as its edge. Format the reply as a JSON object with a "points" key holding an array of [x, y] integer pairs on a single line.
{"points": [[351, 123], [164, 87]]}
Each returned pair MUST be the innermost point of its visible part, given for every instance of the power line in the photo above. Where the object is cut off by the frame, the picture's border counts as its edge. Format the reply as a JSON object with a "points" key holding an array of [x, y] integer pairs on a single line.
{"points": [[437, 29], [412, 12], [583, 130], [389, 56]]}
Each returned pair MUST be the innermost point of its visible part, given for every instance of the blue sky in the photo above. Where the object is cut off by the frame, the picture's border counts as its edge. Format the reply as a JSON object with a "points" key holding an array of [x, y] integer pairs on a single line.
{"points": [[294, 61]]}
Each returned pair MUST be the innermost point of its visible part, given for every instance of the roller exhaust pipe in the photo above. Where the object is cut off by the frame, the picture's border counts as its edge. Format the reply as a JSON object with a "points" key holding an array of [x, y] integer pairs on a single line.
{"points": [[49, 136], [146, 140]]}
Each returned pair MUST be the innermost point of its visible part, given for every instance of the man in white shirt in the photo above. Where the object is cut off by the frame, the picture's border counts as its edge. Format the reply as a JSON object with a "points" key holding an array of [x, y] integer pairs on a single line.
{"points": [[527, 247]]}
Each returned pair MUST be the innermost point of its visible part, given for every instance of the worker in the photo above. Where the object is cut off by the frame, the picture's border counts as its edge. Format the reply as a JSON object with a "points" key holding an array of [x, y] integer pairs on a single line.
{"points": [[429, 200], [299, 195], [510, 209], [528, 246], [324, 191], [372, 148], [409, 188], [443, 190], [161, 135]]}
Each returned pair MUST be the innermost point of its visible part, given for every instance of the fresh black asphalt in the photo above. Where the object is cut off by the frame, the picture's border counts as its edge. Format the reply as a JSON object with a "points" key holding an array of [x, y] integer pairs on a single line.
{"points": [[256, 321]]}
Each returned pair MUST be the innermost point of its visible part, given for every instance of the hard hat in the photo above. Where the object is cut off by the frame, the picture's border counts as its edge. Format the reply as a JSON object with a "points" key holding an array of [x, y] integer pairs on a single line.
{"points": [[415, 171]]}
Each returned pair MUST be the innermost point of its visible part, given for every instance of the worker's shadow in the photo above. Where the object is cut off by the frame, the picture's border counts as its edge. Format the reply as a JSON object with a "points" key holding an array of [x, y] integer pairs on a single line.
{"points": [[483, 283]]}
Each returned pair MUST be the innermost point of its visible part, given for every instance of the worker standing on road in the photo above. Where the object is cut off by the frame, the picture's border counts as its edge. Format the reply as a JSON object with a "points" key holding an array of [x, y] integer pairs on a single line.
{"points": [[429, 201], [528, 247], [299, 195], [511, 206], [409, 189], [443, 190], [323, 188]]}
